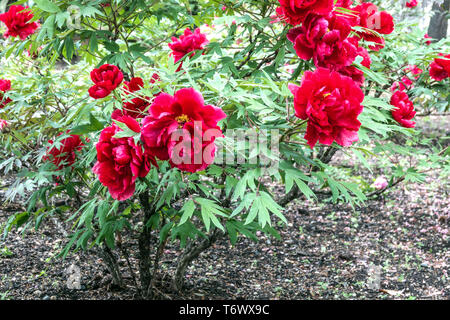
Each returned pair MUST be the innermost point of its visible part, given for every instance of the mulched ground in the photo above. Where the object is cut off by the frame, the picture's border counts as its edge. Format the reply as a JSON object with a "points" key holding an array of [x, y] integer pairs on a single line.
{"points": [[396, 247]]}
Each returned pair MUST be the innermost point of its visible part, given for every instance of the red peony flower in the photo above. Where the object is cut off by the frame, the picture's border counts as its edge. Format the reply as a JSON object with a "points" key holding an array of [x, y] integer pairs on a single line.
{"points": [[98, 92], [428, 42], [306, 37], [155, 78], [360, 51], [294, 12], [184, 116], [370, 18], [415, 70], [325, 40], [405, 84], [404, 111], [17, 22], [106, 78], [137, 106], [5, 85], [331, 103], [187, 43], [344, 3], [440, 68], [120, 161], [335, 51], [63, 153], [354, 73], [135, 84], [411, 4]]}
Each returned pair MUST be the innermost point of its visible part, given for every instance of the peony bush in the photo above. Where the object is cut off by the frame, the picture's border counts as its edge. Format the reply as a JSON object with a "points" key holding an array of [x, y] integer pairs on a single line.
{"points": [[172, 120]]}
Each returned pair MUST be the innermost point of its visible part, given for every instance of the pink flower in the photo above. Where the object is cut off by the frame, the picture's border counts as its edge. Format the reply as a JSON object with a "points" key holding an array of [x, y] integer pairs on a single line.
{"points": [[184, 116], [380, 183], [331, 103], [428, 42], [187, 43], [404, 84], [411, 4], [415, 70], [3, 124], [17, 22]]}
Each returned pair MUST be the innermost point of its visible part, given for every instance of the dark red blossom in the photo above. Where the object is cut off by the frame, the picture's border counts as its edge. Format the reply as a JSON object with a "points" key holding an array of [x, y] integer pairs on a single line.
{"points": [[120, 161], [351, 71], [294, 12], [324, 40], [106, 78], [440, 68], [5, 85], [356, 74], [182, 116], [135, 84], [306, 37], [331, 103], [404, 109], [428, 42], [63, 153], [17, 21], [137, 106]]}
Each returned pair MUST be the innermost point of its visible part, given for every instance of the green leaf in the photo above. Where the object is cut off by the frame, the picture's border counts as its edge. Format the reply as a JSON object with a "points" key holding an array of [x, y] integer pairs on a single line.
{"points": [[165, 232], [209, 209], [47, 6], [188, 210]]}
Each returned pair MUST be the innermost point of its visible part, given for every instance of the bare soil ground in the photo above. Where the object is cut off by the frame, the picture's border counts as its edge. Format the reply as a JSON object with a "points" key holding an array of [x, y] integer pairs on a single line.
{"points": [[395, 247]]}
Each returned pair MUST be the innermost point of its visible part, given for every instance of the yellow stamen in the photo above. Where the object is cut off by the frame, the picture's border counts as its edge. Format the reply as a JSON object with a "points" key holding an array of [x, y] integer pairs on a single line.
{"points": [[182, 120]]}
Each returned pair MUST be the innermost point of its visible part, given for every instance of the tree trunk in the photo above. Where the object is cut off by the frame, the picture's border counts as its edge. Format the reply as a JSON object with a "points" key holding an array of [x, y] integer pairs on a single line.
{"points": [[191, 253], [145, 246], [111, 263], [439, 21]]}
